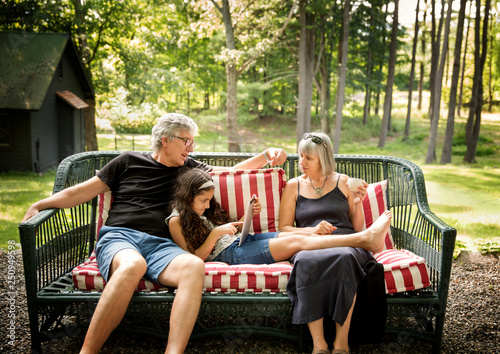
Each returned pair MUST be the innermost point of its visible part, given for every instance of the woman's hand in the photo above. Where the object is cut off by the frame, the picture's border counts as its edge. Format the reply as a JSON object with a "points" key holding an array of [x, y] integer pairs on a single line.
{"points": [[360, 193], [324, 228]]}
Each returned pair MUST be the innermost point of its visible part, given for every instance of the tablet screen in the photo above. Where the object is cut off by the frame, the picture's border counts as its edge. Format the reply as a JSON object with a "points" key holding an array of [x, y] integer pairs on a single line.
{"points": [[248, 220]]}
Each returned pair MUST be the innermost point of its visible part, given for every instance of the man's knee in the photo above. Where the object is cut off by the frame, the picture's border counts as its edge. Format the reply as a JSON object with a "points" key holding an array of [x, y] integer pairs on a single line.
{"points": [[192, 266], [185, 269], [129, 263]]}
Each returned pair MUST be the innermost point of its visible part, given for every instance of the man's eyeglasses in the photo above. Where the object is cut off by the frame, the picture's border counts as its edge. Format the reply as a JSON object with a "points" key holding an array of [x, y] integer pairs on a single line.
{"points": [[187, 141], [315, 139]]}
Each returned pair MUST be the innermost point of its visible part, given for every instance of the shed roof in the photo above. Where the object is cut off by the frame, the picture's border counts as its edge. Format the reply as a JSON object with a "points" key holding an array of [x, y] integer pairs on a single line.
{"points": [[28, 64]]}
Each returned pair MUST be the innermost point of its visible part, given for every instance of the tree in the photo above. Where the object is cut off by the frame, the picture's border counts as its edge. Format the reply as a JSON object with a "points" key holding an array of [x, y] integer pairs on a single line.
{"points": [[233, 71], [450, 125], [390, 77], [473, 124], [462, 75], [412, 74], [306, 69], [438, 83], [422, 65], [339, 102]]}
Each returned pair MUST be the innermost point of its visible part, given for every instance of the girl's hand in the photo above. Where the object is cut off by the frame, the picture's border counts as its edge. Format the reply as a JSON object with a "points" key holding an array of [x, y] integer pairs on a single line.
{"points": [[360, 193], [323, 228], [257, 206], [229, 228]]}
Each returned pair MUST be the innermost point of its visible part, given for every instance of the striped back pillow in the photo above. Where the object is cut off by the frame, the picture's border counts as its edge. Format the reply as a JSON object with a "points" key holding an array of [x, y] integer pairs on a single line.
{"points": [[374, 205], [233, 190]]}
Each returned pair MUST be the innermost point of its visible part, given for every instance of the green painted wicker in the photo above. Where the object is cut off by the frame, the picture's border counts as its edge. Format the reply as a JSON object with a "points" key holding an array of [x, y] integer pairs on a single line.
{"points": [[55, 241]]}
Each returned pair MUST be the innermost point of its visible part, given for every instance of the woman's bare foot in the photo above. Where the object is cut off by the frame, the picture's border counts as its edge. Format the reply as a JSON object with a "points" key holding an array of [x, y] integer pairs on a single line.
{"points": [[374, 236]]}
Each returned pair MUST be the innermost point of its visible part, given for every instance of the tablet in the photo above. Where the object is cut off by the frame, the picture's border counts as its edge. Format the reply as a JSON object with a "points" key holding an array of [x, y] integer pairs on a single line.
{"points": [[247, 221]]}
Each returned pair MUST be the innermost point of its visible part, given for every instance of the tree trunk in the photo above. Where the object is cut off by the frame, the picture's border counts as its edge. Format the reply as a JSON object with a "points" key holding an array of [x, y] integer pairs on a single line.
{"points": [[83, 48], [232, 84], [306, 70], [369, 71], [474, 121], [339, 104], [450, 125], [412, 74], [431, 151], [390, 77], [324, 93], [462, 75], [436, 44], [490, 74], [422, 66]]}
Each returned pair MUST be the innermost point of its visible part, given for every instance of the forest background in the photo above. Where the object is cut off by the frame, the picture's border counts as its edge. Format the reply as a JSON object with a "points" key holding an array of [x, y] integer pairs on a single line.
{"points": [[422, 75]]}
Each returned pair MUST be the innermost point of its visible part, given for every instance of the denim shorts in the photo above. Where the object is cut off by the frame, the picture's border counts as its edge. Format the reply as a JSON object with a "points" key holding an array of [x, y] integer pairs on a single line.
{"points": [[255, 250], [157, 251]]}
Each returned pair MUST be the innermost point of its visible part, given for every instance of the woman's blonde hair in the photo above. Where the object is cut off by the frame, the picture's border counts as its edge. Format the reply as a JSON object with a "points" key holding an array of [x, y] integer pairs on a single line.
{"points": [[318, 143]]}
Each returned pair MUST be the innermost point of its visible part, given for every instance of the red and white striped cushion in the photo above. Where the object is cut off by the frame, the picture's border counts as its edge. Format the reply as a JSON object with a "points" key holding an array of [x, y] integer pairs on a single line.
{"points": [[222, 277], [403, 270], [267, 184], [374, 205], [87, 276], [219, 277], [104, 202]]}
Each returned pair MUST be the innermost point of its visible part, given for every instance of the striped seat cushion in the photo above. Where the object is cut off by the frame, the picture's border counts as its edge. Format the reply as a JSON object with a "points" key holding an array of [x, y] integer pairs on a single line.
{"points": [[403, 271], [219, 277], [222, 277]]}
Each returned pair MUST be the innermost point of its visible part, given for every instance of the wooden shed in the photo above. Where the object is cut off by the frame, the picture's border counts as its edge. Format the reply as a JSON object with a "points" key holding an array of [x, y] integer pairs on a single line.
{"points": [[43, 92]]}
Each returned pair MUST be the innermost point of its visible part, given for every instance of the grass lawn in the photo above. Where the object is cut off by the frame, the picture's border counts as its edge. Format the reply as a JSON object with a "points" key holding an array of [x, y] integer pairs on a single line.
{"points": [[465, 196]]}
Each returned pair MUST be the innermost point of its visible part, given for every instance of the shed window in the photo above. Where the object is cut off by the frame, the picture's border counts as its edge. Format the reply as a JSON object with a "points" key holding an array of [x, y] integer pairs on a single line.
{"points": [[6, 133], [60, 72]]}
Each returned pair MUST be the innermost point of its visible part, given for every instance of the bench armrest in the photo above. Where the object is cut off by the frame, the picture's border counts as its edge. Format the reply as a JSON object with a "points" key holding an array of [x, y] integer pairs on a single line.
{"points": [[53, 242]]}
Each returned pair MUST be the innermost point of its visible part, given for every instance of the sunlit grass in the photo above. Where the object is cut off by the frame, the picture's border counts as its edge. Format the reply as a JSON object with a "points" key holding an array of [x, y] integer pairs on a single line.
{"points": [[17, 192]]}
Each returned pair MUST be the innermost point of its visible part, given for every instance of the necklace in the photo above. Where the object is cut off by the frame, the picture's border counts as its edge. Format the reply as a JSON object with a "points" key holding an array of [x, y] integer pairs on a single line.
{"points": [[318, 190]]}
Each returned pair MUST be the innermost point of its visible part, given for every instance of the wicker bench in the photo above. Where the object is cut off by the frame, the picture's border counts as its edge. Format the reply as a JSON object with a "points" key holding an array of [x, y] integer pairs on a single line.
{"points": [[54, 242]]}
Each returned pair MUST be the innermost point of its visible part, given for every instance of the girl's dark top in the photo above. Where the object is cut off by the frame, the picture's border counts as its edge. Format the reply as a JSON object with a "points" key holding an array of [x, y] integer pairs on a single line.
{"points": [[332, 207], [142, 188]]}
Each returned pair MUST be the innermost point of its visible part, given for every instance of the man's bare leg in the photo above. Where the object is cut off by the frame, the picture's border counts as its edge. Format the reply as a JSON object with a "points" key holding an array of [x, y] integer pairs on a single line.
{"points": [[187, 273], [127, 268]]}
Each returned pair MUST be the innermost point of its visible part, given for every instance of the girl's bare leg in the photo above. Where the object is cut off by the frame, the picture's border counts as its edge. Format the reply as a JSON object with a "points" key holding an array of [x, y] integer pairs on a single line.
{"points": [[371, 239]]}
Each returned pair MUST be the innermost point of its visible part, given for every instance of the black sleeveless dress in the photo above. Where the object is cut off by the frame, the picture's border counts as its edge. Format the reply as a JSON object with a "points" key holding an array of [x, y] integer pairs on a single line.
{"points": [[323, 282]]}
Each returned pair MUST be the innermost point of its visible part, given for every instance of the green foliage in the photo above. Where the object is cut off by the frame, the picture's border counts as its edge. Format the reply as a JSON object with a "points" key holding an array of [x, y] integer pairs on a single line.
{"points": [[459, 247], [488, 246]]}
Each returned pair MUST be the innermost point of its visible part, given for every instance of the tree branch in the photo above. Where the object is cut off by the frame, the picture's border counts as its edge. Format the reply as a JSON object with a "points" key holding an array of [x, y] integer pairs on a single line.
{"points": [[280, 32]]}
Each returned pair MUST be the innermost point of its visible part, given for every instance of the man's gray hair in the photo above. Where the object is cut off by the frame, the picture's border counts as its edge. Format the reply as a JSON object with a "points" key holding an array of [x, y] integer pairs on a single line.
{"points": [[169, 125]]}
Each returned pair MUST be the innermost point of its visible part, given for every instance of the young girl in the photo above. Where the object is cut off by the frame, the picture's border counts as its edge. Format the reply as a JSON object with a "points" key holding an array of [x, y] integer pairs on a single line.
{"points": [[199, 225]]}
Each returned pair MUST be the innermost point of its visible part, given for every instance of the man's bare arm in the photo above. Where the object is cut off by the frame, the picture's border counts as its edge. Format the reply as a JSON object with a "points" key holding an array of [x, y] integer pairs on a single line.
{"points": [[69, 197]]}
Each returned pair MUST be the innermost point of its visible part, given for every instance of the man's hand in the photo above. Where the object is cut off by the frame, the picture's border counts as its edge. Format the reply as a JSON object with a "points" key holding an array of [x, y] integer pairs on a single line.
{"points": [[276, 156]]}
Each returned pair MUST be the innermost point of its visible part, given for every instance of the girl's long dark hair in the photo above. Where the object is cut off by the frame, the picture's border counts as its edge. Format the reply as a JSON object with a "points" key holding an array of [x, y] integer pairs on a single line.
{"points": [[194, 229]]}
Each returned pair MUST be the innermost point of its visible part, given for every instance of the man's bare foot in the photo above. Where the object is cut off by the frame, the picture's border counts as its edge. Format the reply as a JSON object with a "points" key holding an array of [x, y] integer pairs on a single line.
{"points": [[375, 234]]}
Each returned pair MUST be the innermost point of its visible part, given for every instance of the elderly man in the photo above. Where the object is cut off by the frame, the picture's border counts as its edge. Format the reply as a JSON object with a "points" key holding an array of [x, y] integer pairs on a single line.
{"points": [[135, 242]]}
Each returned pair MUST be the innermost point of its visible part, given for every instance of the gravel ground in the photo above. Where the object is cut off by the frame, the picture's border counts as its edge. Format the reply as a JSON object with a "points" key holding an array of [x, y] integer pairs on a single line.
{"points": [[472, 322]]}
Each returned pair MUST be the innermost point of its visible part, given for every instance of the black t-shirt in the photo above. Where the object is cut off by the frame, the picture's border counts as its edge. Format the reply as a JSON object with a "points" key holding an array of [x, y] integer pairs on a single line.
{"points": [[142, 188]]}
